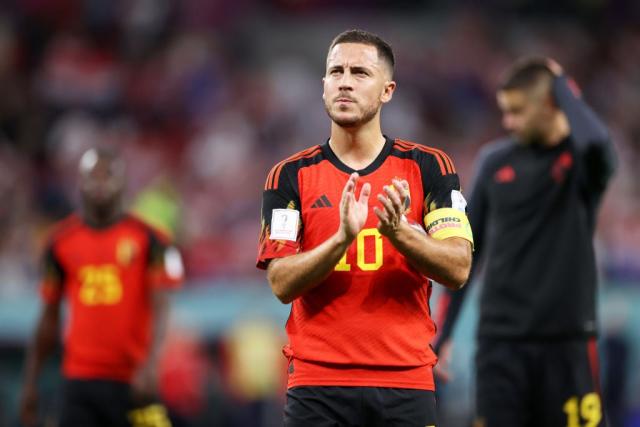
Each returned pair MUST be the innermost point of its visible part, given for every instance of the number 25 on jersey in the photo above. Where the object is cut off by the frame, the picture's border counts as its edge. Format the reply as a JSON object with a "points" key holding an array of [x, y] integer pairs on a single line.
{"points": [[100, 285]]}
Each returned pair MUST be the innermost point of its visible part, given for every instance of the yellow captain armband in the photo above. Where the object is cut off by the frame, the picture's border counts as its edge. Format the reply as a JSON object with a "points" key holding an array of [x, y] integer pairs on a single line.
{"points": [[448, 222]]}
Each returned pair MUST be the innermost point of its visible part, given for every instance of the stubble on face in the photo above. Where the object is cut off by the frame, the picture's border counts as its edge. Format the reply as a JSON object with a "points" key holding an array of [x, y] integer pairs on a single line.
{"points": [[365, 102], [353, 121]]}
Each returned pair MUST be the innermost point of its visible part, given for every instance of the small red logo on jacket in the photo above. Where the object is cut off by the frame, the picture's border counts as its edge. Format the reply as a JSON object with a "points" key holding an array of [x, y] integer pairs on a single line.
{"points": [[560, 167], [505, 174]]}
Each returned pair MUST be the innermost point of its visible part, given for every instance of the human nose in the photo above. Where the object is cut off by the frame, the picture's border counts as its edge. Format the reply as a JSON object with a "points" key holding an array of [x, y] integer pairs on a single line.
{"points": [[346, 81]]}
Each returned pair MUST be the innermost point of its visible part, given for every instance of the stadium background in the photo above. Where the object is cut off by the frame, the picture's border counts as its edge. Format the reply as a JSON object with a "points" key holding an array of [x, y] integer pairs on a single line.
{"points": [[202, 97]]}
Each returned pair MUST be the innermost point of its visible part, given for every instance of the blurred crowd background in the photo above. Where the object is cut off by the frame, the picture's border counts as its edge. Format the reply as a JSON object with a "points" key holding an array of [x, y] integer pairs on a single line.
{"points": [[202, 97]]}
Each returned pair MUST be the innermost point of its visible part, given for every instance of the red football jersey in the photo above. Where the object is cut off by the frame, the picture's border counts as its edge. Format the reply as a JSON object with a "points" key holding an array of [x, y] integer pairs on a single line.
{"points": [[107, 275], [368, 323]]}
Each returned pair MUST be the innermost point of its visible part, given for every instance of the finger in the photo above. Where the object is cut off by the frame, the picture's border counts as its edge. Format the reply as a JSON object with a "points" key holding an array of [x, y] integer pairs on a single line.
{"points": [[354, 178], [348, 189], [401, 188], [388, 207], [382, 216], [351, 182], [345, 204], [365, 192], [386, 203], [394, 197], [554, 67]]}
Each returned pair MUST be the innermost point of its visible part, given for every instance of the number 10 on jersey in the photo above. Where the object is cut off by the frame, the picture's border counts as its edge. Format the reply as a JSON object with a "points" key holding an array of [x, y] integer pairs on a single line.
{"points": [[368, 240]]}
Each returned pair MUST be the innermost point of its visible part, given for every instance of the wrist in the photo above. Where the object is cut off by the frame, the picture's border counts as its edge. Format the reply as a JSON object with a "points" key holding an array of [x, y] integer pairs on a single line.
{"points": [[395, 234], [342, 239]]}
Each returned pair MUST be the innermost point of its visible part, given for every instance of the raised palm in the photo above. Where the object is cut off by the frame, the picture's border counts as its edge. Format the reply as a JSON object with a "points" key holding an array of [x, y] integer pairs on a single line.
{"points": [[353, 213]]}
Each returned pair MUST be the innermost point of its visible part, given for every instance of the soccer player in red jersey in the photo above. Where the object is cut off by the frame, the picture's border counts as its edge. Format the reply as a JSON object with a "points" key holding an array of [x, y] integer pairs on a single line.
{"points": [[357, 271], [116, 274]]}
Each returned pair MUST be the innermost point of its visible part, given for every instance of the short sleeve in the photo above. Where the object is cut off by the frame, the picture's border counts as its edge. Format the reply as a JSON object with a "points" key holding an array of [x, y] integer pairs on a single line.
{"points": [[445, 208], [280, 220], [52, 284], [165, 269]]}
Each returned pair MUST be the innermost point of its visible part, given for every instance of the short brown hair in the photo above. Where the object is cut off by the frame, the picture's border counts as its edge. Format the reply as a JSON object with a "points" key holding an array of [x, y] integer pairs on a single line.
{"points": [[526, 73], [364, 37]]}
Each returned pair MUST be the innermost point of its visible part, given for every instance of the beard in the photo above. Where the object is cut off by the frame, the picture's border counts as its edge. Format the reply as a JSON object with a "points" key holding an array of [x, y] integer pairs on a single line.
{"points": [[353, 121]]}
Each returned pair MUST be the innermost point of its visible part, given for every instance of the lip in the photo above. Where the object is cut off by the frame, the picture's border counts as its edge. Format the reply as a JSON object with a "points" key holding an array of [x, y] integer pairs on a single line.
{"points": [[344, 100]]}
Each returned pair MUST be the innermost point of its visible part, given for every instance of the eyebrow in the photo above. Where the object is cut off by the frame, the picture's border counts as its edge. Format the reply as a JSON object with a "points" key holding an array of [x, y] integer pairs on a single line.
{"points": [[353, 68]]}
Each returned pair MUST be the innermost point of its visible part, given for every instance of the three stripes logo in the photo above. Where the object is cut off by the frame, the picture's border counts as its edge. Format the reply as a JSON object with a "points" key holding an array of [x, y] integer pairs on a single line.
{"points": [[322, 202]]}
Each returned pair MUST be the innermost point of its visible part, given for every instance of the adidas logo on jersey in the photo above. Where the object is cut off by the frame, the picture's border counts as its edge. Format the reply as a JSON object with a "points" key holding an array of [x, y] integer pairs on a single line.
{"points": [[322, 202]]}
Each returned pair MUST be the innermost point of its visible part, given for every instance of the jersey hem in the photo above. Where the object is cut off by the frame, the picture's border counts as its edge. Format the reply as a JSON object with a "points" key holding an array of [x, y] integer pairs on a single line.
{"points": [[362, 383]]}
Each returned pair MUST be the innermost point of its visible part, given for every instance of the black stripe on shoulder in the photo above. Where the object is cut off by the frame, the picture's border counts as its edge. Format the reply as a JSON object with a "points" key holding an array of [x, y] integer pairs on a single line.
{"points": [[273, 179], [419, 152]]}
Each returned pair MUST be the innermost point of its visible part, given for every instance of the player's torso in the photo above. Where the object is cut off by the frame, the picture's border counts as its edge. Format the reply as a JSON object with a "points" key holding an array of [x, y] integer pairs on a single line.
{"points": [[533, 193], [540, 240], [104, 278], [373, 283], [527, 179], [321, 187]]}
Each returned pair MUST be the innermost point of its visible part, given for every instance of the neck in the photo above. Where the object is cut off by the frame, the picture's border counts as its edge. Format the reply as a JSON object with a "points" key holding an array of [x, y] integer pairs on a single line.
{"points": [[101, 216], [558, 130], [357, 147]]}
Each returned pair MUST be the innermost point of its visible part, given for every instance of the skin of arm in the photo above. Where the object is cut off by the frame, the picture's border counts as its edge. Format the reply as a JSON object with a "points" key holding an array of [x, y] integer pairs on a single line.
{"points": [[145, 380], [41, 348], [294, 275], [446, 261]]}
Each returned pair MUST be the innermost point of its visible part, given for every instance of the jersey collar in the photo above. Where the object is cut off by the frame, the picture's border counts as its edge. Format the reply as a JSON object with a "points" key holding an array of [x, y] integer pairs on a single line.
{"points": [[372, 167]]}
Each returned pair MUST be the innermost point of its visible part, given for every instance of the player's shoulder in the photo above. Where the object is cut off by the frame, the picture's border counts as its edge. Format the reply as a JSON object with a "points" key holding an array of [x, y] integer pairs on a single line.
{"points": [[64, 228], [496, 150], [294, 161], [424, 153], [148, 230]]}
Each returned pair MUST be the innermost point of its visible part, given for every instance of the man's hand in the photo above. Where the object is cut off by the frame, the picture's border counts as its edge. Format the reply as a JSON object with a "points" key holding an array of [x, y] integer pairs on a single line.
{"points": [[29, 406], [394, 201], [442, 370], [145, 383], [353, 213], [554, 67]]}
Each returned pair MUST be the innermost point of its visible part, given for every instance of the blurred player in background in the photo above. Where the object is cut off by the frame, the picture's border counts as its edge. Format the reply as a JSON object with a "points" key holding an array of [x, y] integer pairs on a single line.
{"points": [[357, 273], [116, 274], [533, 210]]}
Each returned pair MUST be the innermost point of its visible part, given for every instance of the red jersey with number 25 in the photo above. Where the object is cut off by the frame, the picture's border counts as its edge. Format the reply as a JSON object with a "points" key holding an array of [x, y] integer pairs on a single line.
{"points": [[107, 276], [368, 323]]}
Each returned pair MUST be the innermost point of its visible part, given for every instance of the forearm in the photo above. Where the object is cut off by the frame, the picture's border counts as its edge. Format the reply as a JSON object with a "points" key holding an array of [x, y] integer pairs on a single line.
{"points": [[294, 275], [589, 133], [447, 261], [43, 344], [586, 127], [161, 304]]}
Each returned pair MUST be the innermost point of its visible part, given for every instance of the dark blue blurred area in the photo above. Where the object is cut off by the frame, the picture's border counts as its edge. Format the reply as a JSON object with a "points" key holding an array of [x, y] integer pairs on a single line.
{"points": [[202, 97]]}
